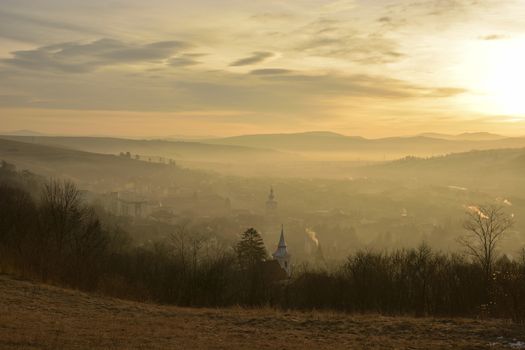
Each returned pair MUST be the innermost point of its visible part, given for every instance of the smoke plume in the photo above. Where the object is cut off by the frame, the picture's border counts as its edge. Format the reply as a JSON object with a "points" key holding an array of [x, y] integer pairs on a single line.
{"points": [[313, 236]]}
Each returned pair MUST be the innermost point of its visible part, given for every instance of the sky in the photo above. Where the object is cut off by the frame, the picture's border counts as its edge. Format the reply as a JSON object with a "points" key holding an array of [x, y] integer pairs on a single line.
{"points": [[200, 68]]}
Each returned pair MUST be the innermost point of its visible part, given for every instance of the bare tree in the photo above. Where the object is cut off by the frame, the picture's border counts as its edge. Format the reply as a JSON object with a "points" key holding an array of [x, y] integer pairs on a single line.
{"points": [[187, 245], [486, 226], [178, 240], [71, 238], [61, 212]]}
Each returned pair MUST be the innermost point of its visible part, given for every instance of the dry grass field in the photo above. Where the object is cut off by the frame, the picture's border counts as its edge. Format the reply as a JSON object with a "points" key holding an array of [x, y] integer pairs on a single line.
{"points": [[35, 316]]}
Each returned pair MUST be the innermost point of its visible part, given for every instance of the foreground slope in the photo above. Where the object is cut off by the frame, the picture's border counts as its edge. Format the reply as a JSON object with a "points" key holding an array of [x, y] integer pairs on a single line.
{"points": [[35, 316]]}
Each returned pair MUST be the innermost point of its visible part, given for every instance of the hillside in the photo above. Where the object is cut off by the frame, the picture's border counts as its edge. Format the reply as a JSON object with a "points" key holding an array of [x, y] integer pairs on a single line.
{"points": [[52, 160], [22, 132], [305, 155], [89, 167], [179, 150], [36, 316], [498, 169]]}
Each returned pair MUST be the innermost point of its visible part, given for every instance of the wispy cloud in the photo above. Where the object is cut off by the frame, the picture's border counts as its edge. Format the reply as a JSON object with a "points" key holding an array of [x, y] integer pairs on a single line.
{"points": [[30, 27], [271, 71], [272, 16], [336, 39], [254, 58], [186, 59], [491, 37], [75, 57]]}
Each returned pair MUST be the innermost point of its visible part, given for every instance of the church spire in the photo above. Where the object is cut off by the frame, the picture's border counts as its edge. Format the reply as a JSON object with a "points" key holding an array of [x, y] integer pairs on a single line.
{"points": [[271, 203], [282, 242], [281, 254]]}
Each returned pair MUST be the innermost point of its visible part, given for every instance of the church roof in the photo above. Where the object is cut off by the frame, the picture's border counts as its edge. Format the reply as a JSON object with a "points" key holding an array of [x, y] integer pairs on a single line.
{"points": [[282, 242], [281, 251]]}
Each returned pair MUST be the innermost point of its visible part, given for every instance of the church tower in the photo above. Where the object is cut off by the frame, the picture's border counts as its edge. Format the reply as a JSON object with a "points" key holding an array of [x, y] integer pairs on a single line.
{"points": [[271, 203], [281, 254]]}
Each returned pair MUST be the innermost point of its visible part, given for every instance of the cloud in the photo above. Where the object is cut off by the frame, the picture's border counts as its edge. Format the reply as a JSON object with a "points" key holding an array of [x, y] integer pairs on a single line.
{"points": [[356, 47], [182, 62], [445, 7], [74, 57], [271, 71], [186, 59], [360, 85], [427, 15], [268, 90], [32, 28], [256, 57], [13, 100], [491, 37], [272, 16], [338, 6], [338, 39], [445, 92]]}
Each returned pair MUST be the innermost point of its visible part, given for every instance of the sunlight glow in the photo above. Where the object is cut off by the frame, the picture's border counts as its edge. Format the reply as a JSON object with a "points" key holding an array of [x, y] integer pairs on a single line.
{"points": [[504, 77]]}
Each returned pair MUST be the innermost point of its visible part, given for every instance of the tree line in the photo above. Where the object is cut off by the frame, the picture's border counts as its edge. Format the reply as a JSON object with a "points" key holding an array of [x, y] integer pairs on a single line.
{"points": [[53, 236]]}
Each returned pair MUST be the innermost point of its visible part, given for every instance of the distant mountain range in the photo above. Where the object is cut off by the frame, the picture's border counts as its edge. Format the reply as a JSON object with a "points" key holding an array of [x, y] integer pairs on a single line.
{"points": [[321, 146], [390, 147], [488, 170], [308, 141], [468, 136]]}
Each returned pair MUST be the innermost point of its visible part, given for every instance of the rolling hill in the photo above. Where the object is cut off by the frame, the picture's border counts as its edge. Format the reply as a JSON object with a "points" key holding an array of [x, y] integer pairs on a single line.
{"points": [[497, 170], [325, 143], [22, 132], [282, 148], [178, 150], [88, 167], [467, 136]]}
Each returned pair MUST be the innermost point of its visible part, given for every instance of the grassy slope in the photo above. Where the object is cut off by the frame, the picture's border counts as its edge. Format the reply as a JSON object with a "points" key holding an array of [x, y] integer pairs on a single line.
{"points": [[35, 316]]}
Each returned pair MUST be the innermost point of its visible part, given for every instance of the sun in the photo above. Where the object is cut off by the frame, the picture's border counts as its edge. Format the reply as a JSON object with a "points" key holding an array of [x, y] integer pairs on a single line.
{"points": [[493, 72], [505, 79]]}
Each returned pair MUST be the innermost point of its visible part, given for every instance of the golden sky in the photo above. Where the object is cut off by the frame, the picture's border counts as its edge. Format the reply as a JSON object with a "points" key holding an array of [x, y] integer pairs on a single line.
{"points": [[224, 67]]}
